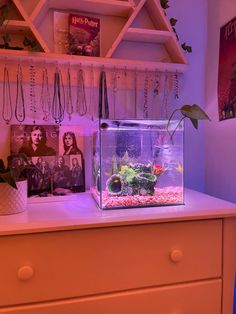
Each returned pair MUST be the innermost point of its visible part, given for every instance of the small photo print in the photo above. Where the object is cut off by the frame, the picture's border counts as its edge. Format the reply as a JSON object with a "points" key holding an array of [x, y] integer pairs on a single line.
{"points": [[71, 141], [35, 140], [77, 173], [41, 181]]}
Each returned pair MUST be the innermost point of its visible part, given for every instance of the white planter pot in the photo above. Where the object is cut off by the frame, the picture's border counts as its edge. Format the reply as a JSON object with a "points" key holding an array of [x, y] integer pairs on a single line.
{"points": [[13, 201]]}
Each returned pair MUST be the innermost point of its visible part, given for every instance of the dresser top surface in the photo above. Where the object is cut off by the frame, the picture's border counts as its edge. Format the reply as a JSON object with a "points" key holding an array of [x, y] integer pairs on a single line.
{"points": [[81, 212]]}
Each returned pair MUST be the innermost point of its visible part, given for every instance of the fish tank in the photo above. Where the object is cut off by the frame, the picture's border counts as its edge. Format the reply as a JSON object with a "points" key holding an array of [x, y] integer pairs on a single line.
{"points": [[136, 164]]}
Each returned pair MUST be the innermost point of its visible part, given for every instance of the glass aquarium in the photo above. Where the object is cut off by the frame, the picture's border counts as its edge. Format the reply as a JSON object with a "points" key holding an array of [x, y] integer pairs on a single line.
{"points": [[135, 163]]}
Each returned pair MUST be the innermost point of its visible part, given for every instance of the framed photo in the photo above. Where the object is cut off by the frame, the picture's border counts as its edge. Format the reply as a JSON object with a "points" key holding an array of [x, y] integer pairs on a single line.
{"points": [[58, 152]]}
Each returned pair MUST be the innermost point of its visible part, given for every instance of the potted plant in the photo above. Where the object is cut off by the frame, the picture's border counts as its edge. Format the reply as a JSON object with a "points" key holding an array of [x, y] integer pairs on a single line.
{"points": [[13, 183]]}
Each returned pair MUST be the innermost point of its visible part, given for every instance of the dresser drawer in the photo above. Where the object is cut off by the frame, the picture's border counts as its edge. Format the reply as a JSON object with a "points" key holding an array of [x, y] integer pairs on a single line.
{"points": [[54, 265], [195, 298]]}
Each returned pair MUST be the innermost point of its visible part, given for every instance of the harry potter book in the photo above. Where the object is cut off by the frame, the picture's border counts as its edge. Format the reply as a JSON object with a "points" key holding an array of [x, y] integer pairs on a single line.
{"points": [[84, 35]]}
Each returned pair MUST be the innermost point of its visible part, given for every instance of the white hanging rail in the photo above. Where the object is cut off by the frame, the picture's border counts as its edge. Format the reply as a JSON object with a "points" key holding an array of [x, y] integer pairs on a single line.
{"points": [[39, 57]]}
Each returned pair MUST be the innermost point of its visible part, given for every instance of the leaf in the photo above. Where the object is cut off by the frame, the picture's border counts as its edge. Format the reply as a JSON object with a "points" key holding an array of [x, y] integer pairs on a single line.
{"points": [[186, 47], [26, 41], [194, 122], [173, 21], [194, 112], [164, 4], [8, 178]]}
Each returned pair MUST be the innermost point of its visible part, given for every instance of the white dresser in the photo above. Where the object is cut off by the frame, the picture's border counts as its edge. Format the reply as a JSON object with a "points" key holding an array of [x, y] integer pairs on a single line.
{"points": [[70, 257]]}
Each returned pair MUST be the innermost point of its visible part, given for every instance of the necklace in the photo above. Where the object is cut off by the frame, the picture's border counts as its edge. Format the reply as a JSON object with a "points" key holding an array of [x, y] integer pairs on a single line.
{"points": [[81, 104], [103, 98], [45, 95], [32, 90], [156, 83], [69, 104], [145, 94], [92, 93], [135, 93], [58, 103], [156, 92], [166, 92], [20, 99], [114, 91], [176, 85], [7, 104]]}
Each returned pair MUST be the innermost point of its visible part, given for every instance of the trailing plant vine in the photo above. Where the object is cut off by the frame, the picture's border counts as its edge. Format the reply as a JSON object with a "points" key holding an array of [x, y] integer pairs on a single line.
{"points": [[165, 5]]}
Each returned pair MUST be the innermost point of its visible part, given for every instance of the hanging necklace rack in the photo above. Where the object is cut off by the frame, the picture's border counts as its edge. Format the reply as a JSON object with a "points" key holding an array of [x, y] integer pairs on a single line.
{"points": [[7, 111], [69, 103], [20, 99], [81, 105], [58, 103], [45, 99], [62, 101]]}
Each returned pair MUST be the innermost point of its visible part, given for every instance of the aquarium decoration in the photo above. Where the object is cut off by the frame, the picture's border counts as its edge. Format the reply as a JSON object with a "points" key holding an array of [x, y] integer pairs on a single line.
{"points": [[135, 164]]}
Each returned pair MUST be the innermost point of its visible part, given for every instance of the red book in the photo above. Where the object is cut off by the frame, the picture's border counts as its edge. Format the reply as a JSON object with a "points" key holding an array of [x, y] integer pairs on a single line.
{"points": [[84, 35]]}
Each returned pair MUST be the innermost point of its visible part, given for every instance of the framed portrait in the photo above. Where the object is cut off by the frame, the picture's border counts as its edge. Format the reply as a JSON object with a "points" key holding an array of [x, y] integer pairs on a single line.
{"points": [[58, 153]]}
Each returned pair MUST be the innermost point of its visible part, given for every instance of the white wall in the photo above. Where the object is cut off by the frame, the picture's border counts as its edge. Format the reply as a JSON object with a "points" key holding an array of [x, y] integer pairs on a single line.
{"points": [[220, 174], [191, 28]]}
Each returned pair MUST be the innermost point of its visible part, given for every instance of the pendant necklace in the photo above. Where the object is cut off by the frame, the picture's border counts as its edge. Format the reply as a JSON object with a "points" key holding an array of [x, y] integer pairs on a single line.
{"points": [[7, 104], [176, 85], [145, 94], [81, 105], [45, 99], [69, 104], [20, 99], [126, 86], [166, 91], [58, 103], [32, 91], [156, 91], [156, 84]]}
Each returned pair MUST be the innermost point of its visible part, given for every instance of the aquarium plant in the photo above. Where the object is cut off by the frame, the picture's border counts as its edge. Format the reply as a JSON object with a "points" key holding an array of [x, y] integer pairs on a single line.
{"points": [[133, 178]]}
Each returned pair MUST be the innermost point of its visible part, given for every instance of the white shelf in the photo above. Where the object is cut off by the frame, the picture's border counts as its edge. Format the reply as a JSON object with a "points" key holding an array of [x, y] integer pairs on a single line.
{"points": [[88, 61], [128, 10], [102, 7], [147, 35], [14, 26]]}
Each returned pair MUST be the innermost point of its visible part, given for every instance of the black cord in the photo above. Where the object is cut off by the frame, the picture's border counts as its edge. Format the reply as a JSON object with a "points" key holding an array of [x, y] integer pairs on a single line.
{"points": [[7, 111], [20, 99], [58, 104], [103, 99]]}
